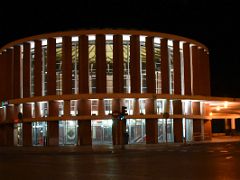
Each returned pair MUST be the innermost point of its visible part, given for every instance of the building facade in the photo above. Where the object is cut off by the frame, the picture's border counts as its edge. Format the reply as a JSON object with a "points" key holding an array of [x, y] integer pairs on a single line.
{"points": [[68, 88]]}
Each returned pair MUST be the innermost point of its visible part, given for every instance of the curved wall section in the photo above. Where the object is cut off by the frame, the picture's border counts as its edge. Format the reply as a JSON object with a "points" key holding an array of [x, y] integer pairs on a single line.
{"points": [[91, 74]]}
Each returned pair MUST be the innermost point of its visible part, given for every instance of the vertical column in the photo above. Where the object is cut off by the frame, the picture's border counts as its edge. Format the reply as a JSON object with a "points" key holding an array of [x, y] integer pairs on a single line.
{"points": [[177, 68], [118, 81], [26, 70], [67, 71], [117, 127], [227, 127], [195, 71], [1, 75], [164, 66], [9, 95], [53, 126], [197, 126], [207, 129], [100, 64], [9, 75], [207, 122], [27, 126], [51, 66], [187, 69], [135, 80], [206, 78], [83, 64], [16, 76], [118, 87], [37, 74], [202, 74], [177, 122], [233, 126], [101, 109], [53, 107], [135, 64], [84, 105], [38, 68], [151, 124]]}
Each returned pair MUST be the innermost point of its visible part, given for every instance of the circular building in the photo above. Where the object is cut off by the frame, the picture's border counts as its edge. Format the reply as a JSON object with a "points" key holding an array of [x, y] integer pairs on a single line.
{"points": [[103, 87]]}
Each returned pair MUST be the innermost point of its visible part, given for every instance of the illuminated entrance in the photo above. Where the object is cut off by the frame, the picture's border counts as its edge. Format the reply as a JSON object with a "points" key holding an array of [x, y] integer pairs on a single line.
{"points": [[102, 131], [68, 132], [39, 133], [136, 131], [165, 130], [17, 134]]}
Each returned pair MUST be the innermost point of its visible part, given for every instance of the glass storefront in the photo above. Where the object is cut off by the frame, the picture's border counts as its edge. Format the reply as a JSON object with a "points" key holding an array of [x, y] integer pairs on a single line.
{"points": [[17, 134], [39, 133], [136, 131], [165, 130], [68, 132], [102, 131], [188, 129]]}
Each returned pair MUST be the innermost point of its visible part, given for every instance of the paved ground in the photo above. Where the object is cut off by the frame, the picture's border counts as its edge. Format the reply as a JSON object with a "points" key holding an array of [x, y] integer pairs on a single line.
{"points": [[218, 159]]}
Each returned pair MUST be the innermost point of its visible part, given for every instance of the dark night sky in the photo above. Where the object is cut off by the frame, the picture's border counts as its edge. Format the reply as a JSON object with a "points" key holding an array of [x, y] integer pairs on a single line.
{"points": [[213, 24]]}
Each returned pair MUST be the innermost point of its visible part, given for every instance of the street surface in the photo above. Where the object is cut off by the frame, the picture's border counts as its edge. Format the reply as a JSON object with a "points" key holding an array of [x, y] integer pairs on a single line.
{"points": [[216, 161]]}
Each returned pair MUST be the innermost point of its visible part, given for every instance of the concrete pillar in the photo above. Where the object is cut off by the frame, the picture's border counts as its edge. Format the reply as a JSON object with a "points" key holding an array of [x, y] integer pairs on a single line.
{"points": [[197, 123], [67, 65], [117, 127], [27, 126], [207, 129], [177, 67], [84, 129], [6, 134], [207, 84], [118, 81], [16, 75], [38, 68], [26, 70], [195, 71], [164, 66], [136, 109], [101, 109], [51, 66], [135, 64], [118, 87], [101, 64], [9, 75], [10, 114], [233, 126], [227, 126], [67, 108], [53, 126], [177, 122], [84, 105], [83, 64], [150, 65], [187, 69], [37, 110], [151, 124]]}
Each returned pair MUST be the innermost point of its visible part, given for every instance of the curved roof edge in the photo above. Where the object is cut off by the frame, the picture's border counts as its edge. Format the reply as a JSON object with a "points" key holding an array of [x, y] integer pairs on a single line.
{"points": [[102, 31]]}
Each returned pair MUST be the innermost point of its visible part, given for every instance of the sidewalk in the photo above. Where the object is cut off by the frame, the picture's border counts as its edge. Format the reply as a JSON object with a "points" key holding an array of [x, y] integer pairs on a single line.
{"points": [[108, 148]]}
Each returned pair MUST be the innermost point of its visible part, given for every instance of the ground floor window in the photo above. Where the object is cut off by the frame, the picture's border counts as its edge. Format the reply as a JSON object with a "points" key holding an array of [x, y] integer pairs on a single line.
{"points": [[101, 131], [39, 133], [136, 131], [68, 132], [17, 134], [165, 130], [187, 129]]}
